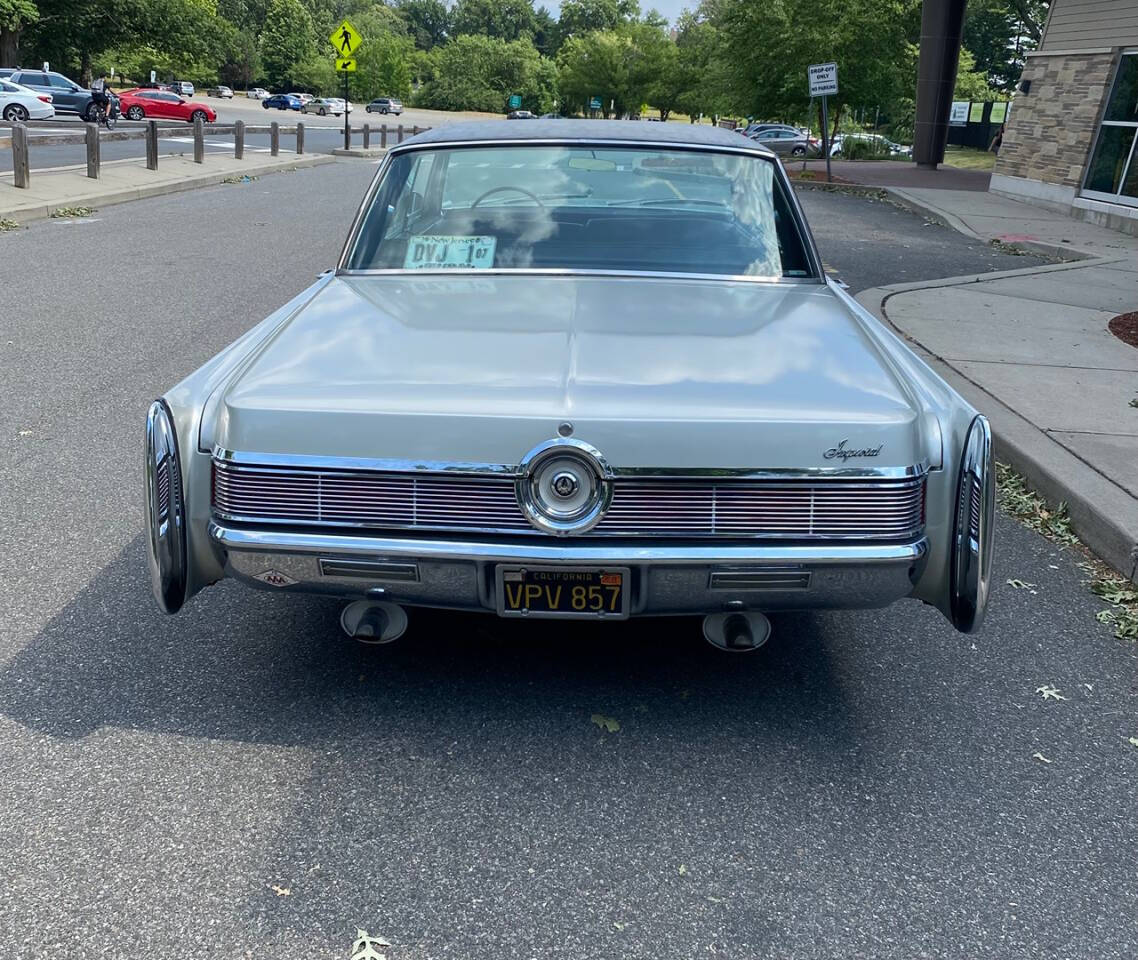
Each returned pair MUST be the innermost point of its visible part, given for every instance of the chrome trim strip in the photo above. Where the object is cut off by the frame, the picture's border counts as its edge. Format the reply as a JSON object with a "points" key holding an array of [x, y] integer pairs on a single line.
{"points": [[746, 146], [565, 272], [271, 461], [562, 551]]}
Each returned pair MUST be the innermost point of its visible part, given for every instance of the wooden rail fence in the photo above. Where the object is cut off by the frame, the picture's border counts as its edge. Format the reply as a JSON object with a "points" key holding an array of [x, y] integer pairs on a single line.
{"points": [[22, 138]]}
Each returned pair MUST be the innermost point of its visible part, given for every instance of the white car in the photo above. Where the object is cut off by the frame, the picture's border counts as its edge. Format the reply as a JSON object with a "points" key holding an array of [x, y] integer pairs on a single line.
{"points": [[257, 93], [580, 370], [303, 97], [19, 103], [322, 106]]}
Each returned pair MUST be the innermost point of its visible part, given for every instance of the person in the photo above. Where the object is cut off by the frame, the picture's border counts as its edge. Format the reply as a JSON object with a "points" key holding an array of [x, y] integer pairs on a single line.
{"points": [[101, 94], [997, 141]]}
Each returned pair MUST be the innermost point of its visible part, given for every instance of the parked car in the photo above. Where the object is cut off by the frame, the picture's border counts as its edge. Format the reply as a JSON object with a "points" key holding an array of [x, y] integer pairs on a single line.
{"points": [[521, 115], [66, 95], [574, 377], [18, 103], [140, 104], [6, 72], [257, 93], [281, 101], [322, 106], [875, 144], [551, 116], [155, 86], [182, 87], [787, 141], [222, 93], [385, 105], [303, 97]]}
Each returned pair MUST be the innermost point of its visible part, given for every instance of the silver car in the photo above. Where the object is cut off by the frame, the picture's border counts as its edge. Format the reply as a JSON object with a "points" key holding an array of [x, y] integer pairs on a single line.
{"points": [[787, 141], [591, 370], [322, 106]]}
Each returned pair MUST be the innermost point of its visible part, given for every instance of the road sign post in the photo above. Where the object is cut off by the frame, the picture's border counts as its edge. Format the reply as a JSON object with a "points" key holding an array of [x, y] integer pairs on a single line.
{"points": [[346, 39], [823, 80]]}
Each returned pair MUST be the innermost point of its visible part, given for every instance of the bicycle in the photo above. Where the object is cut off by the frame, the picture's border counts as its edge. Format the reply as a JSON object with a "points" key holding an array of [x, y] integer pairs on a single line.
{"points": [[108, 113]]}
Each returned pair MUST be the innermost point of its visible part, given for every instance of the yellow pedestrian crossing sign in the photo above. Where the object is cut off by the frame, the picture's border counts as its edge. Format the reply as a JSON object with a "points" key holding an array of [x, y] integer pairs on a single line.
{"points": [[345, 38], [346, 65]]}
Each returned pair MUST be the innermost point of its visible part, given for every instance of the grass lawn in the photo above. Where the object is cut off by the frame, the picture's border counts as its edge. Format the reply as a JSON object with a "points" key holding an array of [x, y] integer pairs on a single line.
{"points": [[968, 158]]}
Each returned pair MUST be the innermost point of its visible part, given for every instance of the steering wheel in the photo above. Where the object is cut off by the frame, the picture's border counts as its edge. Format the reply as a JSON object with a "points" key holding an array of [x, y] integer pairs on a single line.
{"points": [[507, 186]]}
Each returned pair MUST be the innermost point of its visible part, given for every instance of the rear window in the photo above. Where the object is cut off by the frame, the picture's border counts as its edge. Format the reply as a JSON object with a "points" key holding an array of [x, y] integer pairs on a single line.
{"points": [[638, 209]]}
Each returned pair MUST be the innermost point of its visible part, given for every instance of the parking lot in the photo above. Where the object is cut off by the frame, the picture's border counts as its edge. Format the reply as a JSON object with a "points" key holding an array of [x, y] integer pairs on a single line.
{"points": [[242, 781]]}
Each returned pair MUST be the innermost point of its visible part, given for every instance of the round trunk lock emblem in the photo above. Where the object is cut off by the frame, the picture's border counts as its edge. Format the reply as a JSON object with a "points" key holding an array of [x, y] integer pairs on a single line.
{"points": [[565, 484]]}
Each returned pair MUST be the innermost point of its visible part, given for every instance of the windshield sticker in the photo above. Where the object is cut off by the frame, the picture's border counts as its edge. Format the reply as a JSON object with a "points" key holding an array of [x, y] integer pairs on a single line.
{"points": [[431, 252]]}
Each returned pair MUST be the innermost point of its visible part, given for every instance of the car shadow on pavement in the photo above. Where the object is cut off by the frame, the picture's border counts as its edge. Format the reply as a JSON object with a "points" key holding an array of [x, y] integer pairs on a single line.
{"points": [[249, 666]]}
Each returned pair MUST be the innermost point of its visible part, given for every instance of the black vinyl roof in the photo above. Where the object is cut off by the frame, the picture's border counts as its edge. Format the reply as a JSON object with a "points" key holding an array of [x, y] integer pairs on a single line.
{"points": [[630, 131]]}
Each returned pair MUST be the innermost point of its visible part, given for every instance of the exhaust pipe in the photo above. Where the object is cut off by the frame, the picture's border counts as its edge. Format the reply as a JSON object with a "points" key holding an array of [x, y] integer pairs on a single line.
{"points": [[737, 632], [373, 622]]}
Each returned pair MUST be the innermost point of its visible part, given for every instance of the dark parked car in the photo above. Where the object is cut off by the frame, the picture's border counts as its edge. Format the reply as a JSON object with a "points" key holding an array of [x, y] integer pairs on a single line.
{"points": [[520, 115], [282, 101], [66, 95], [385, 105]]}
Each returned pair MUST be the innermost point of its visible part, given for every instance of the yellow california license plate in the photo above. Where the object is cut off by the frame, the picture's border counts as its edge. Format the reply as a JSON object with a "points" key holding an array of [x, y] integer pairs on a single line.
{"points": [[563, 591]]}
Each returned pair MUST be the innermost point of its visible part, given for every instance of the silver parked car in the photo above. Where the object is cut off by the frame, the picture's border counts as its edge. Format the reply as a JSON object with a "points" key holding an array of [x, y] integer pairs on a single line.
{"points": [[322, 106], [590, 370], [787, 141]]}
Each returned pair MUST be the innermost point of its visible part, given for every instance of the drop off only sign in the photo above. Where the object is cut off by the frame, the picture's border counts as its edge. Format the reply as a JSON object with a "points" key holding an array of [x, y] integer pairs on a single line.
{"points": [[823, 79]]}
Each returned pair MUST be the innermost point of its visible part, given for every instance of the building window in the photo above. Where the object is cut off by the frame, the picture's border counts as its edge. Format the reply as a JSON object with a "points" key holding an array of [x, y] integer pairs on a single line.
{"points": [[1113, 171]]}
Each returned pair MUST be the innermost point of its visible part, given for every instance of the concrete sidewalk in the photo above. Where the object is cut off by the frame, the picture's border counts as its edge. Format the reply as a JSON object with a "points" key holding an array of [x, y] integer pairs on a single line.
{"points": [[124, 180], [1031, 349]]}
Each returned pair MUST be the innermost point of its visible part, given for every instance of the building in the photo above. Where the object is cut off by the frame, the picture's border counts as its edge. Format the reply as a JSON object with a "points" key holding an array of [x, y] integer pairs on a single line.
{"points": [[1070, 141]]}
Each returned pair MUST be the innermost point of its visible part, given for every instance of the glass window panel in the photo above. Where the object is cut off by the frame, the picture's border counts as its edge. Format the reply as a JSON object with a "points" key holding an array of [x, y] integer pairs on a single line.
{"points": [[1130, 186], [1110, 157], [1123, 103]]}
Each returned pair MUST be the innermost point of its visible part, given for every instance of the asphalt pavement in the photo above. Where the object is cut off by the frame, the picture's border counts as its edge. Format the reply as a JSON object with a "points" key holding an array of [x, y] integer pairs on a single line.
{"points": [[241, 781]]}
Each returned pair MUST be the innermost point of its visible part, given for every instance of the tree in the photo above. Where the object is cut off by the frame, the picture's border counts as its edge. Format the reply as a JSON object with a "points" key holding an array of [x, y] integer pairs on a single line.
{"points": [[971, 84], [998, 37], [704, 73], [428, 21], [15, 15], [480, 73], [287, 39], [579, 17], [503, 19], [596, 64], [546, 36], [383, 62]]}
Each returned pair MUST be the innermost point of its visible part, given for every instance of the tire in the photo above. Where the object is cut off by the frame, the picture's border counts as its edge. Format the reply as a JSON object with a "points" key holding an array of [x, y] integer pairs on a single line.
{"points": [[199, 115], [322, 111], [135, 112], [265, 104], [383, 110], [16, 113], [798, 152], [91, 114]]}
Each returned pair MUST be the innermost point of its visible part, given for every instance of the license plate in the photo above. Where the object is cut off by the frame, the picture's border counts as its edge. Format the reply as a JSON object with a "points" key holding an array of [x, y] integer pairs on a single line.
{"points": [[563, 592]]}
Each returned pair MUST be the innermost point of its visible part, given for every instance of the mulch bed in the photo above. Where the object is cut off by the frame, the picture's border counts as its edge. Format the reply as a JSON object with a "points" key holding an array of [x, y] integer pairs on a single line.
{"points": [[1125, 327]]}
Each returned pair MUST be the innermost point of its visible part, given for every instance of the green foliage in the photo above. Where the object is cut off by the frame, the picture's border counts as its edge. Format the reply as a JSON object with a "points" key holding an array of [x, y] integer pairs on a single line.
{"points": [[502, 19], [15, 16], [596, 64], [480, 73], [288, 38], [972, 84], [428, 21], [384, 67]]}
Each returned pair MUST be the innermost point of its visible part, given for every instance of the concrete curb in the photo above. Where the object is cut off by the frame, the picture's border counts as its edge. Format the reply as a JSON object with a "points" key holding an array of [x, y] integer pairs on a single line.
{"points": [[112, 197], [368, 153], [1104, 515]]}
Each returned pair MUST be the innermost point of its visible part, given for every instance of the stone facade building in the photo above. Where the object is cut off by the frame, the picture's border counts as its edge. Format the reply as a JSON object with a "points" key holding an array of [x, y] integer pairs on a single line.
{"points": [[1070, 141]]}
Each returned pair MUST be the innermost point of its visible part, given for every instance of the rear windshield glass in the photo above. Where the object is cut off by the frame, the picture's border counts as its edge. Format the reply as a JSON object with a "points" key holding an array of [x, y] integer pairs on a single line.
{"points": [[581, 208]]}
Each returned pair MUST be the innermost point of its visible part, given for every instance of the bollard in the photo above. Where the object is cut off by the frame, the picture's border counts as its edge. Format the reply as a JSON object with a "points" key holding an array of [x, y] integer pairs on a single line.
{"points": [[383, 136], [199, 141], [21, 172], [415, 130], [92, 150], [275, 138], [239, 140], [299, 138], [152, 145], [399, 134], [367, 135]]}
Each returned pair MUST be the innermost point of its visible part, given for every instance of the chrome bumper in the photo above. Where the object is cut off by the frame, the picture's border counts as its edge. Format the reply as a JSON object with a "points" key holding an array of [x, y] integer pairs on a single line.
{"points": [[666, 578]]}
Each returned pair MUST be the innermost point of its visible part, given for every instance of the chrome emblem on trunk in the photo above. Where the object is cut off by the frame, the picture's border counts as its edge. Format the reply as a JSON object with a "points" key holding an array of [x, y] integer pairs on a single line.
{"points": [[565, 484]]}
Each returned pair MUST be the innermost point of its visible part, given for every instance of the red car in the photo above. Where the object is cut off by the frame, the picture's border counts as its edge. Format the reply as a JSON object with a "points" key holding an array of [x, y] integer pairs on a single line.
{"points": [[139, 104]]}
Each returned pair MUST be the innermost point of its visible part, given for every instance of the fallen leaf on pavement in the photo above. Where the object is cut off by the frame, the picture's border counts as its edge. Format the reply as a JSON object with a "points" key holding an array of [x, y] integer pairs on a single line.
{"points": [[1049, 692], [280, 891], [1133, 741], [605, 723], [1039, 756], [683, 870], [367, 947]]}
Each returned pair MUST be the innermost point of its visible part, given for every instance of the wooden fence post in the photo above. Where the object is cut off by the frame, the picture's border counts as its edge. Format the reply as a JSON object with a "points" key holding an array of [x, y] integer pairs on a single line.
{"points": [[367, 135], [21, 172], [152, 145], [275, 138], [399, 134], [239, 140], [383, 136], [415, 130], [199, 141], [299, 137], [93, 150]]}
